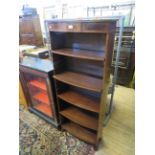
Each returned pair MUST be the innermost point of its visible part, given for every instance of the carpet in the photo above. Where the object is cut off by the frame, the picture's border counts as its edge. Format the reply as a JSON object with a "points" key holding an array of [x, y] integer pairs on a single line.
{"points": [[37, 137]]}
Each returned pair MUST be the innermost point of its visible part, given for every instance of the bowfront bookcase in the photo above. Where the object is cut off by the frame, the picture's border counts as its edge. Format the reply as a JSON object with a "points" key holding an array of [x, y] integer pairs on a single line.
{"points": [[82, 55]]}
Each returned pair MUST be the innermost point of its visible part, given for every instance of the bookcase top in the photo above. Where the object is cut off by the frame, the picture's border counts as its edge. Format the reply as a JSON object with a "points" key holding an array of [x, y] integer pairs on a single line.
{"points": [[112, 19]]}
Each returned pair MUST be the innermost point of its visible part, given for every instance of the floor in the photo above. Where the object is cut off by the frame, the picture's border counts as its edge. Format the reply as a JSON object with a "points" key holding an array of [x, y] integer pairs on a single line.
{"points": [[118, 134], [37, 137]]}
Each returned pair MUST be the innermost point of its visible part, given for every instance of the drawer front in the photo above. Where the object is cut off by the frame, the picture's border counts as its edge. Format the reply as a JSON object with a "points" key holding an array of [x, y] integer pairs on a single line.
{"points": [[95, 27], [57, 27], [65, 27], [73, 27]]}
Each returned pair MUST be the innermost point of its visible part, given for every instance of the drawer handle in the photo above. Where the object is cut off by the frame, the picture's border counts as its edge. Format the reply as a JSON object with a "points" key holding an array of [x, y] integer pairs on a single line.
{"points": [[70, 27]]}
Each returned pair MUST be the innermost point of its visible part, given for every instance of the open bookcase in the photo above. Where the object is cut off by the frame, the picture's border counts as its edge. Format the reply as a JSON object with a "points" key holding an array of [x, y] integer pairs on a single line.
{"points": [[82, 55]]}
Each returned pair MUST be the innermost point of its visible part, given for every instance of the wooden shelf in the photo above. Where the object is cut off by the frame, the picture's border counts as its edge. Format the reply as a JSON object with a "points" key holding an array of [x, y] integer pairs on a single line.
{"points": [[38, 84], [81, 118], [80, 80], [42, 97], [80, 100], [82, 54], [80, 132], [44, 109]]}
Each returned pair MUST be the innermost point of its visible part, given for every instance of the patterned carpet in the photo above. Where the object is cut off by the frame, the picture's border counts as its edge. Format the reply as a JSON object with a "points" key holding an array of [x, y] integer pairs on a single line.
{"points": [[37, 137]]}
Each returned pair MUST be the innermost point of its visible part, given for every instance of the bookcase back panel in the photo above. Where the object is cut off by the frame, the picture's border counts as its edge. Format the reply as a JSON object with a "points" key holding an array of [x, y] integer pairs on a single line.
{"points": [[85, 41], [64, 105], [60, 63], [90, 41], [67, 120], [57, 40], [87, 67], [88, 93], [63, 87], [93, 68]]}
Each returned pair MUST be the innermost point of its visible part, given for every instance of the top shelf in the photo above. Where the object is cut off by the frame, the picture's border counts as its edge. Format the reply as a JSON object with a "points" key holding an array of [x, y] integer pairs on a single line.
{"points": [[82, 54]]}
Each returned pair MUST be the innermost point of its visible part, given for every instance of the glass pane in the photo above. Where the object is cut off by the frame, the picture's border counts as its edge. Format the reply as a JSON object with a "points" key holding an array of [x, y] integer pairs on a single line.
{"points": [[38, 93]]}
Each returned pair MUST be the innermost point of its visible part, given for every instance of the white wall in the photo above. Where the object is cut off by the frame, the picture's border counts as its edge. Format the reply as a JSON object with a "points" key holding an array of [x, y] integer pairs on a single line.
{"points": [[76, 8]]}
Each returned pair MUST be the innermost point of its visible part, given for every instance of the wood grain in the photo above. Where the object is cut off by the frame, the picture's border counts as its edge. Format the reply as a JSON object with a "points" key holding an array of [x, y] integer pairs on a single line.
{"points": [[80, 80], [80, 132], [81, 118], [78, 69], [82, 54], [79, 100]]}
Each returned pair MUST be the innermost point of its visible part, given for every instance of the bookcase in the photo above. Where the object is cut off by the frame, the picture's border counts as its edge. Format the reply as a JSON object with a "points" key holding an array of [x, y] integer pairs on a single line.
{"points": [[82, 55]]}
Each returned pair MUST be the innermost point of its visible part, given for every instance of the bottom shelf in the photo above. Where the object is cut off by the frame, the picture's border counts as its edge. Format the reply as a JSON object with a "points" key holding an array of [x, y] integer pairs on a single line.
{"points": [[80, 132], [44, 109]]}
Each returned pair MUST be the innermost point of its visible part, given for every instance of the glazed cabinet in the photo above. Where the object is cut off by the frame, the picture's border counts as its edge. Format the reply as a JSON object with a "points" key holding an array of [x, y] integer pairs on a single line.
{"points": [[36, 78]]}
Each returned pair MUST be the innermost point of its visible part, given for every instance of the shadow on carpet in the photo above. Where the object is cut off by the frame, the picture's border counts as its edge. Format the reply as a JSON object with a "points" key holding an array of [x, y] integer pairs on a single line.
{"points": [[37, 137]]}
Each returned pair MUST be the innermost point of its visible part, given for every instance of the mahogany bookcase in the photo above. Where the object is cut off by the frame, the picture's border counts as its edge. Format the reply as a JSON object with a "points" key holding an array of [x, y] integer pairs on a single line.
{"points": [[82, 54]]}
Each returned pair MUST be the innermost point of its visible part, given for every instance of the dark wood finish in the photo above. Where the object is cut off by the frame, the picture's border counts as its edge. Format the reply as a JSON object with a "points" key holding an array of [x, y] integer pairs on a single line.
{"points": [[81, 118], [79, 41], [82, 66], [88, 67], [106, 80], [30, 31], [82, 56], [95, 26], [80, 132], [64, 27], [80, 80], [80, 100]]}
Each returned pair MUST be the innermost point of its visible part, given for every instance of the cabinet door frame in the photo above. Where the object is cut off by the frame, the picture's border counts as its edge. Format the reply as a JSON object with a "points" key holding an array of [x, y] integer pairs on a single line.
{"points": [[24, 70]]}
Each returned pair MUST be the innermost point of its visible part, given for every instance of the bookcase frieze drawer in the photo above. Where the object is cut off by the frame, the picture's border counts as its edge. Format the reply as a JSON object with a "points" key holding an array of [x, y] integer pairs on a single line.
{"points": [[65, 27], [95, 27], [57, 27]]}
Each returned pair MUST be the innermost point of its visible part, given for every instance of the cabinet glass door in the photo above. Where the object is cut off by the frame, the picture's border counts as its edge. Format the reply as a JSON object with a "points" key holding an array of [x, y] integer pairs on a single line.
{"points": [[39, 95]]}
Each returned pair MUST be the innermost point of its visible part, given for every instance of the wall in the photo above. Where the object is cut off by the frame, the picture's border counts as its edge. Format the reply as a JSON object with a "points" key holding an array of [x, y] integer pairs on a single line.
{"points": [[75, 9]]}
